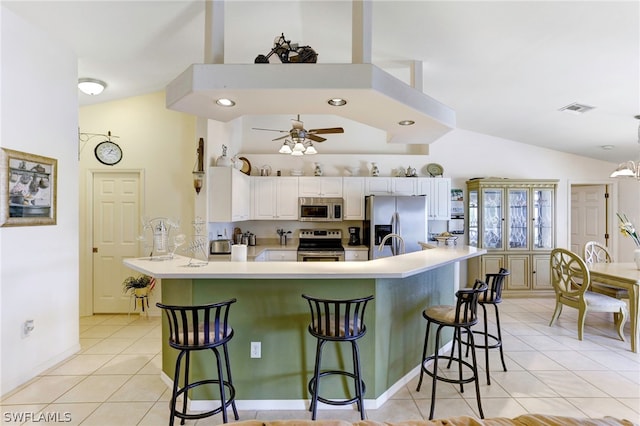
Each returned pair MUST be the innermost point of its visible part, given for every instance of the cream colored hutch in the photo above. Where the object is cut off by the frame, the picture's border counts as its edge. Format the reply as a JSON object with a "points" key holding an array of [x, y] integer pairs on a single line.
{"points": [[514, 220]]}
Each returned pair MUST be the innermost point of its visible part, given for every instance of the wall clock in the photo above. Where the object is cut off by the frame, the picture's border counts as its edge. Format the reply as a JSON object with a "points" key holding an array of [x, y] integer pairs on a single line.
{"points": [[108, 153]]}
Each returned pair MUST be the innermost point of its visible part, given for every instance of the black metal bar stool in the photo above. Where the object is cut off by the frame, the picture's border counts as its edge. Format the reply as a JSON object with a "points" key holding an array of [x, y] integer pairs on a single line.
{"points": [[337, 321], [195, 328], [493, 296], [462, 316]]}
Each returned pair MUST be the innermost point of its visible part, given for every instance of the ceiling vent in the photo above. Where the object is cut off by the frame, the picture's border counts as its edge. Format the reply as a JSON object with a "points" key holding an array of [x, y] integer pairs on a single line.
{"points": [[576, 108]]}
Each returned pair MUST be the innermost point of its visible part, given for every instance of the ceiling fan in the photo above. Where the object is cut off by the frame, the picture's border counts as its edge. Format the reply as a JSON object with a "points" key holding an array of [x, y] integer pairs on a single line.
{"points": [[299, 132]]}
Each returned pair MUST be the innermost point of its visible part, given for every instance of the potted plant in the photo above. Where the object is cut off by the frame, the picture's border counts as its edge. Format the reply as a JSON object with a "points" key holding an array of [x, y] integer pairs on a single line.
{"points": [[139, 286]]}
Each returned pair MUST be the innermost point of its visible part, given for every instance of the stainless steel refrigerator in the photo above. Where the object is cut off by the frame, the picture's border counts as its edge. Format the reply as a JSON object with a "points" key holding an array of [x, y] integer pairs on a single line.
{"points": [[402, 215]]}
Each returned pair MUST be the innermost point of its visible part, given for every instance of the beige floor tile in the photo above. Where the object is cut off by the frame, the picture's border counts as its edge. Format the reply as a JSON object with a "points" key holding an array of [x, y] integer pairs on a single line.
{"points": [[574, 360], [43, 390], [535, 361], [395, 410], [110, 345], [140, 388], [118, 414], [448, 408], [157, 415], [568, 384], [125, 364], [94, 319], [80, 365], [633, 403], [601, 407], [100, 331], [154, 366], [552, 406], [501, 407], [18, 414], [614, 384], [613, 361], [94, 389], [144, 346], [86, 343], [134, 331], [523, 384]]}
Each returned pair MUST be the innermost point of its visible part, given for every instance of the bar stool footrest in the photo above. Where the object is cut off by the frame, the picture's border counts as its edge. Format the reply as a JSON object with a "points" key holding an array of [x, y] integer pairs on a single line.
{"points": [[229, 400], [495, 338], [446, 379], [354, 400]]}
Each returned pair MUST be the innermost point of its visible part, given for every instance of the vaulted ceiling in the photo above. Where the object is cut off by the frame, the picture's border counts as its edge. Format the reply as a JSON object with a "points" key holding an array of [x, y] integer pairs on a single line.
{"points": [[506, 68]]}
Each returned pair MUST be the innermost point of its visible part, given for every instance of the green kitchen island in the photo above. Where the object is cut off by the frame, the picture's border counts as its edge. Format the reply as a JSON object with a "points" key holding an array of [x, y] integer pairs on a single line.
{"points": [[270, 310]]}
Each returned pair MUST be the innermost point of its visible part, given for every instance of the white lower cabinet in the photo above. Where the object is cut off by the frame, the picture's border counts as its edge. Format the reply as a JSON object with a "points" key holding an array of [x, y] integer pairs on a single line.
{"points": [[282, 255], [229, 192], [274, 198], [351, 255]]}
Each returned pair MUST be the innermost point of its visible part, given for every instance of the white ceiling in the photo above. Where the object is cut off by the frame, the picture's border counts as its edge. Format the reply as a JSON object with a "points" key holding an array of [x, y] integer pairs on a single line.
{"points": [[505, 67]]}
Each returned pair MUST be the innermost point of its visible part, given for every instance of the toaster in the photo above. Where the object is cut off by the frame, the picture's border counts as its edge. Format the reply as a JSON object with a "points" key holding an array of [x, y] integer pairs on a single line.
{"points": [[220, 247]]}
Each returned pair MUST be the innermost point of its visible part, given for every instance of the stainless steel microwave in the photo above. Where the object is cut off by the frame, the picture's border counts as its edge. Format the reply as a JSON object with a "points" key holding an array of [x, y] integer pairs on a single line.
{"points": [[320, 209]]}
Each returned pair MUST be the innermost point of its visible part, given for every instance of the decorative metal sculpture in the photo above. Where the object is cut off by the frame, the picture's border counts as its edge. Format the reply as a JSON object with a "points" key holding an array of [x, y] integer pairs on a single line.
{"points": [[161, 245], [289, 52]]}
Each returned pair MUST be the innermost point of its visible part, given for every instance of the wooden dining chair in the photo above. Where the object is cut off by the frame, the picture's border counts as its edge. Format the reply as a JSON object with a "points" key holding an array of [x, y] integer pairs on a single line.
{"points": [[571, 280], [594, 252]]}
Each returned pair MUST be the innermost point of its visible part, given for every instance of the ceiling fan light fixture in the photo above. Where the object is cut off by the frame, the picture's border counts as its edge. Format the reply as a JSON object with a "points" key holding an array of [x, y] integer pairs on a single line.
{"points": [[337, 102], [225, 102], [91, 86], [297, 153], [311, 150], [628, 168], [285, 148], [298, 147], [406, 122]]}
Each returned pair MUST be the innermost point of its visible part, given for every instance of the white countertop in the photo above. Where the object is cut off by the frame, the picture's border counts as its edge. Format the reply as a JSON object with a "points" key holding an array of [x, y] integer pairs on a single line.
{"points": [[389, 267]]}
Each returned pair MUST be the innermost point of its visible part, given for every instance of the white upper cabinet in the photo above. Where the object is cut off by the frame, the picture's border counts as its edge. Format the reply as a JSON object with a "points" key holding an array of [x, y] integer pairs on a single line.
{"points": [[229, 195], [319, 186], [274, 198], [353, 194], [438, 192], [390, 186]]}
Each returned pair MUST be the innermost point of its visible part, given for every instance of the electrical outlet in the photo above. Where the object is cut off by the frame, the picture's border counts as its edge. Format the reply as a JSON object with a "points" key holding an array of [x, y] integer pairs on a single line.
{"points": [[256, 350], [27, 327]]}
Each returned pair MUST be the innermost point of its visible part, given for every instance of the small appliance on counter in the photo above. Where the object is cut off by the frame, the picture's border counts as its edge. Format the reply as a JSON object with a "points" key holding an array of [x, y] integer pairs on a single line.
{"points": [[354, 236], [220, 247]]}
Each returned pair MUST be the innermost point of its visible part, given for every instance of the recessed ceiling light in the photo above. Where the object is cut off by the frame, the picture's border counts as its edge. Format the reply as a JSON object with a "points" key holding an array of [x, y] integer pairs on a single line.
{"points": [[406, 122], [225, 102], [91, 86], [337, 102], [577, 108]]}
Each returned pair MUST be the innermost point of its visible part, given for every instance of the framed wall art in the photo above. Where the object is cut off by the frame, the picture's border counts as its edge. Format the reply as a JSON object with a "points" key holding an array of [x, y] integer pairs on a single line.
{"points": [[28, 185]]}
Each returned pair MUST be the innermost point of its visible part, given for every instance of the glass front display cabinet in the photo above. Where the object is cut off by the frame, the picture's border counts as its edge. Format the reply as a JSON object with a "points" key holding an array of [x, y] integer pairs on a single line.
{"points": [[514, 220]]}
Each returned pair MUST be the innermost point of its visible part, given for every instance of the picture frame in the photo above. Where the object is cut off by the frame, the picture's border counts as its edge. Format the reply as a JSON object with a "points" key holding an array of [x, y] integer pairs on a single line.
{"points": [[28, 187]]}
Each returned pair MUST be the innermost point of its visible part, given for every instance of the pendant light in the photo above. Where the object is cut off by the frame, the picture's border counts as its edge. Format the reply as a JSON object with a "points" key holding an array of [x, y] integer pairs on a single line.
{"points": [[629, 168]]}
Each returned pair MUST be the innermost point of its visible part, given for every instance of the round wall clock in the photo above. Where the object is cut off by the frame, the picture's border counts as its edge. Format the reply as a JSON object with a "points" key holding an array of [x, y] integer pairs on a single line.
{"points": [[108, 153]]}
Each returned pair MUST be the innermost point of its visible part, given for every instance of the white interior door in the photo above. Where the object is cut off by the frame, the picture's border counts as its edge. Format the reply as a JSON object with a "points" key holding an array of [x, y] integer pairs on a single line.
{"points": [[116, 222], [588, 216]]}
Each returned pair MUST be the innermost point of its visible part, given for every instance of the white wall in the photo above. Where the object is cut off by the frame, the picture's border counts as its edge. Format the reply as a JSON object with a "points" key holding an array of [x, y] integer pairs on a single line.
{"points": [[39, 264]]}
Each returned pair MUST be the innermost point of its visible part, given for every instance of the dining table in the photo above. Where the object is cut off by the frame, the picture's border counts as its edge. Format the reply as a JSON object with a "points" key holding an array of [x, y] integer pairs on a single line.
{"points": [[622, 275]]}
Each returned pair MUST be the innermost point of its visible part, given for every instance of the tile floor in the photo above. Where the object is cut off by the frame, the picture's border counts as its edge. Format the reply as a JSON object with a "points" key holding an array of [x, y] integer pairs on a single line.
{"points": [[115, 379]]}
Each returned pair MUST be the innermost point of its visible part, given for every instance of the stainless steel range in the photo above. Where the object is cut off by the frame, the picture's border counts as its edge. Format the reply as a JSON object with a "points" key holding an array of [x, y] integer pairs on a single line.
{"points": [[320, 245]]}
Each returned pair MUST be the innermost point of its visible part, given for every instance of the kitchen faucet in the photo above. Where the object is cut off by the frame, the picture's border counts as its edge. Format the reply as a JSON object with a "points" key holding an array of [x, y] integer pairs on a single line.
{"points": [[386, 237]]}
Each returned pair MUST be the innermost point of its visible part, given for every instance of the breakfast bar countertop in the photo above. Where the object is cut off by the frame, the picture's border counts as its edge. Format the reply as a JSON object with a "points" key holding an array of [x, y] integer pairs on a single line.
{"points": [[389, 267]]}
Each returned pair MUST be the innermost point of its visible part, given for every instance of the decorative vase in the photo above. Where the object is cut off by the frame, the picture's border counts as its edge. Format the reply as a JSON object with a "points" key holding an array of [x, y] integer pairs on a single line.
{"points": [[374, 169], [636, 257], [318, 170]]}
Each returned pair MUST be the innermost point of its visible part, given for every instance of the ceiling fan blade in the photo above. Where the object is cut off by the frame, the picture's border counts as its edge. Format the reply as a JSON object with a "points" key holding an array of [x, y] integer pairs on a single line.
{"points": [[315, 138], [327, 130], [270, 130], [281, 137]]}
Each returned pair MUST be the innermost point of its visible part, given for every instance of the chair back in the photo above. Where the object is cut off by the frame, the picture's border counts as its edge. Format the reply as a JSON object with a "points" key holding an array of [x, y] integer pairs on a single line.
{"points": [[198, 327], [337, 319], [495, 282], [466, 313], [569, 274], [594, 252]]}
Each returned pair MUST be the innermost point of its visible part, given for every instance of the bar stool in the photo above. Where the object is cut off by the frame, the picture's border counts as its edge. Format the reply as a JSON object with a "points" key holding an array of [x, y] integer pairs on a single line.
{"points": [[195, 328], [493, 296], [337, 321], [462, 316]]}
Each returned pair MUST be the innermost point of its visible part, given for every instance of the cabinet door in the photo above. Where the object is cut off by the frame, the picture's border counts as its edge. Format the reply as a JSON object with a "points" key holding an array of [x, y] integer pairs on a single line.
{"points": [[520, 272], [282, 256], [541, 278], [518, 218], [492, 218], [403, 186], [472, 213], [286, 200], [240, 196], [320, 187], [440, 199], [264, 193], [353, 194], [378, 186], [355, 255], [542, 213], [490, 263]]}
